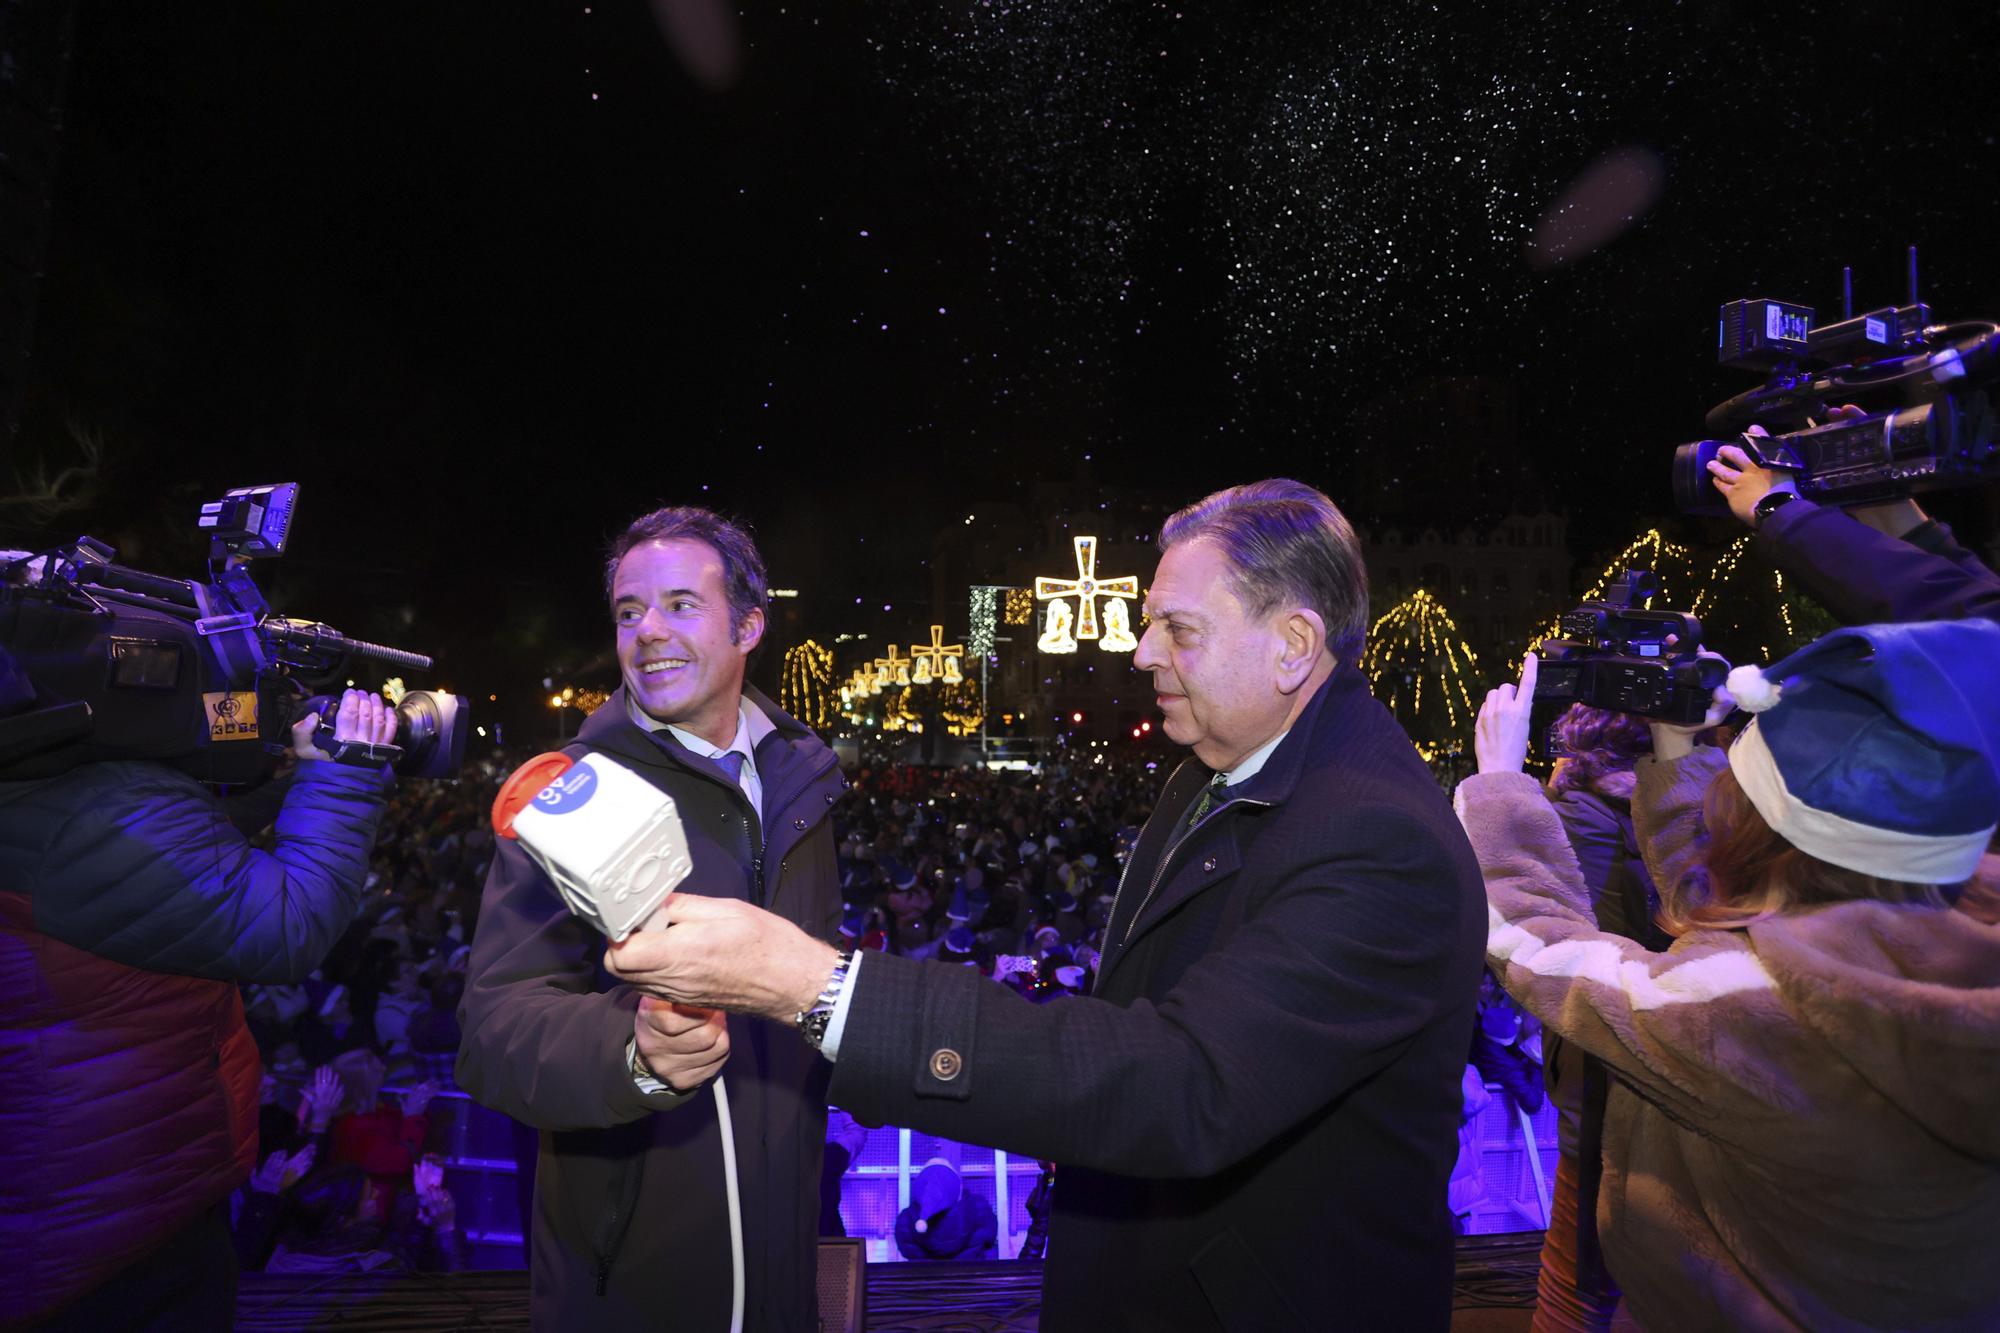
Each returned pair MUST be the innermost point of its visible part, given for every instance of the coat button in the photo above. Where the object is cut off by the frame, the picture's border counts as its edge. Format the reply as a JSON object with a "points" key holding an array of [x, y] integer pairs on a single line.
{"points": [[798, 823], [945, 1064], [830, 798], [1208, 866]]}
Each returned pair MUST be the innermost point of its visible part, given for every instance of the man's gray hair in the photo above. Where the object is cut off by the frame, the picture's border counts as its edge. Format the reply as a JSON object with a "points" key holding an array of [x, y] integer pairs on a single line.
{"points": [[1287, 545], [743, 575]]}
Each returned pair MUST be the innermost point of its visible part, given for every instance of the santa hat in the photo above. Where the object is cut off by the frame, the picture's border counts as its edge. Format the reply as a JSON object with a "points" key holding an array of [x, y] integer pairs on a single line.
{"points": [[935, 1189], [1875, 748]]}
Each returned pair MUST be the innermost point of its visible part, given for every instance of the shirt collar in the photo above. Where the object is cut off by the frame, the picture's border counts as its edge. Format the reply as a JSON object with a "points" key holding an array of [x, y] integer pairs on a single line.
{"points": [[751, 728], [1253, 762]]}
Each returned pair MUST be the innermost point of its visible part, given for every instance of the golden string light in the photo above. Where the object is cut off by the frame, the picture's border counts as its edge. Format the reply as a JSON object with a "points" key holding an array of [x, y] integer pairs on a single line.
{"points": [[805, 689], [1414, 644]]}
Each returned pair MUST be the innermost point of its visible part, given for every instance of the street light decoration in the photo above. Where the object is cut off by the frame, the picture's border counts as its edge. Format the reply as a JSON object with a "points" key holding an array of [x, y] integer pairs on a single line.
{"points": [[936, 660], [1064, 627], [891, 670]]}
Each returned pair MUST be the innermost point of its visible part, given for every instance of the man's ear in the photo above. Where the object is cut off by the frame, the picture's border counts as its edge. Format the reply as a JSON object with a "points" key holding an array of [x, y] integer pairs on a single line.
{"points": [[750, 630], [1302, 643]]}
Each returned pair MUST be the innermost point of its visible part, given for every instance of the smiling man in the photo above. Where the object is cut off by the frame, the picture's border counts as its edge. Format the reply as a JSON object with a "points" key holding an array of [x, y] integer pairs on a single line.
{"points": [[678, 1182], [1256, 1112]]}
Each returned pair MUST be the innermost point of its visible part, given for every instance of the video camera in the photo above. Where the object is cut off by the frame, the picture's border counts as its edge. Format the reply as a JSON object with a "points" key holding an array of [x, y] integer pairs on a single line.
{"points": [[110, 662], [1939, 436], [1614, 655]]}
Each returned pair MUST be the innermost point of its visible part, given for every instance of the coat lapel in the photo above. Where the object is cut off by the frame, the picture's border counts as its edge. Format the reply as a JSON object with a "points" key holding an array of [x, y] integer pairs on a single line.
{"points": [[1210, 852]]}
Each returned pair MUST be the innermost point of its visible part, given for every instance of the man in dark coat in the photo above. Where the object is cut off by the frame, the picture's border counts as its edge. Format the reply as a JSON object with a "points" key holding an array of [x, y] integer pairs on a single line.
{"points": [[677, 1183], [1256, 1112]]}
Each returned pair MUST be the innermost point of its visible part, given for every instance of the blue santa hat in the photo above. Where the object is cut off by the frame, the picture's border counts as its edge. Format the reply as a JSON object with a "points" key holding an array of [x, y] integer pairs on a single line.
{"points": [[1878, 748]]}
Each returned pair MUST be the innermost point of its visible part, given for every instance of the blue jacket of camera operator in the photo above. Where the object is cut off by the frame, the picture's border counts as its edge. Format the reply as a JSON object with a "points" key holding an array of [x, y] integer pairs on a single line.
{"points": [[130, 908]]}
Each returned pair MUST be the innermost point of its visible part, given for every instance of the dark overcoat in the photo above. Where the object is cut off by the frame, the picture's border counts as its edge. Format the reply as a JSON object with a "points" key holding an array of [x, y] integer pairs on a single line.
{"points": [[1255, 1115], [631, 1224]]}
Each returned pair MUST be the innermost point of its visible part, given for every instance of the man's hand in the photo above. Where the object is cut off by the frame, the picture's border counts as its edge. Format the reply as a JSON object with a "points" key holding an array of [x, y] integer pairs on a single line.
{"points": [[680, 1045], [721, 953], [1500, 736], [364, 716]]}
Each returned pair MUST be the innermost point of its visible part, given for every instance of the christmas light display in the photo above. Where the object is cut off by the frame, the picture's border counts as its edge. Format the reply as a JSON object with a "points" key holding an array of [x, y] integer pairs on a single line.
{"points": [[891, 670], [1424, 673], [1741, 620], [958, 705], [805, 687], [1117, 630], [936, 660], [1086, 588], [980, 634], [1020, 606]]}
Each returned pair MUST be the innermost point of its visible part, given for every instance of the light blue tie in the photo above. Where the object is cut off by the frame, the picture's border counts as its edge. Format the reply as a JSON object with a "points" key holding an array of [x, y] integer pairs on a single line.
{"points": [[731, 762]]}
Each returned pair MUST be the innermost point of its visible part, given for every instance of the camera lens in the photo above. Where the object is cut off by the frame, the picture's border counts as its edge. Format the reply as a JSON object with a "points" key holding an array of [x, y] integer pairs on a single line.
{"points": [[1694, 488]]}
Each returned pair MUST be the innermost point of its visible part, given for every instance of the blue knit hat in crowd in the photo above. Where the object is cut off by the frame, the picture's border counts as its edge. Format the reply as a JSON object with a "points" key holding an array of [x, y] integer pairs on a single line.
{"points": [[1878, 748]]}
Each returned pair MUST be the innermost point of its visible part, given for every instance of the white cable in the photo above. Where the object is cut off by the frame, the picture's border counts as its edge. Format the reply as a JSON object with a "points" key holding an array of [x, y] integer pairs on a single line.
{"points": [[728, 1129]]}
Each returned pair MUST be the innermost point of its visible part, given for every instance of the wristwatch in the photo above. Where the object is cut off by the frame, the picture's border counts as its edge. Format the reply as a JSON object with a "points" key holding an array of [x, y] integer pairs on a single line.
{"points": [[1772, 501], [812, 1020]]}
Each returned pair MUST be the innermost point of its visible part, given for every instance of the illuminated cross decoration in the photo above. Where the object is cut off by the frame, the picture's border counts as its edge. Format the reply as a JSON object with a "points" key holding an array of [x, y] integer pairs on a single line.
{"points": [[1086, 587], [936, 660], [892, 670]]}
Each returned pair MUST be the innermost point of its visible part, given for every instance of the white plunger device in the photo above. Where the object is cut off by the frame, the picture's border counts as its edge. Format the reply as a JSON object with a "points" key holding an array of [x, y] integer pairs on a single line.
{"points": [[610, 841]]}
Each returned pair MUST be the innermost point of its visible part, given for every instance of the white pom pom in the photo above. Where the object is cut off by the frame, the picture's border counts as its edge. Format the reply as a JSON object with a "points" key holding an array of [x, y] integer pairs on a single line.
{"points": [[922, 1226], [1753, 690]]}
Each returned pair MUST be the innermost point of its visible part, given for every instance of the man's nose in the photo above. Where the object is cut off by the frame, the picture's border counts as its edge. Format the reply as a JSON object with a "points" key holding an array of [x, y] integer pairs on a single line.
{"points": [[1146, 657], [653, 624]]}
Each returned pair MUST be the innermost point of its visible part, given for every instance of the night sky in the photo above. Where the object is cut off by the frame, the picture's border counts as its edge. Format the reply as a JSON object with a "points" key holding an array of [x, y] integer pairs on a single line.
{"points": [[488, 280]]}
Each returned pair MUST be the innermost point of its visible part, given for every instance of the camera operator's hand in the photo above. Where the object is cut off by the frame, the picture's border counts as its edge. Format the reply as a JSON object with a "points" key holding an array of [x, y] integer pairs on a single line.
{"points": [[1744, 482], [1674, 740], [364, 716], [1500, 737]]}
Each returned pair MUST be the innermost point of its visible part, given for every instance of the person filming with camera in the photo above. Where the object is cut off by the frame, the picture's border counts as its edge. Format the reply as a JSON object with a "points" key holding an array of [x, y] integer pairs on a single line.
{"points": [[1867, 564], [1800, 1131], [131, 907]]}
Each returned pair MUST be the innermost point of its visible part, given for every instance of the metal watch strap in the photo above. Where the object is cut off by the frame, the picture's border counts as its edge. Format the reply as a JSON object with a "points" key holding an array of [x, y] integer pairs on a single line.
{"points": [[812, 1021]]}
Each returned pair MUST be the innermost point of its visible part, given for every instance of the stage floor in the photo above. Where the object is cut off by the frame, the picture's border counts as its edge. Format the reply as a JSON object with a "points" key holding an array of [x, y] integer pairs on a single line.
{"points": [[1495, 1292]]}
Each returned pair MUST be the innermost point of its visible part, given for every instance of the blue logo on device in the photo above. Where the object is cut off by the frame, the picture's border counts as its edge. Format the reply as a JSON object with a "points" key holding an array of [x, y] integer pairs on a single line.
{"points": [[572, 791]]}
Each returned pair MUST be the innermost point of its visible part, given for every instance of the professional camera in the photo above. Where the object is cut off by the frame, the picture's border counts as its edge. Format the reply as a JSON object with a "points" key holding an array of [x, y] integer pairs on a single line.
{"points": [[1929, 424], [195, 674], [1614, 655]]}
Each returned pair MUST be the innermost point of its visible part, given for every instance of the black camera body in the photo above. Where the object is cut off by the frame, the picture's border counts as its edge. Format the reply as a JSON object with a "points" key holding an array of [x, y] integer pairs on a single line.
{"points": [[1928, 424], [117, 663], [1614, 655]]}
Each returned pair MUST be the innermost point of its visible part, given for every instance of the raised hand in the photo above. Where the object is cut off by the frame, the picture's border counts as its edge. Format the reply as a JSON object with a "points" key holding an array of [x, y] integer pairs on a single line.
{"points": [[1500, 736], [419, 1097], [321, 1099]]}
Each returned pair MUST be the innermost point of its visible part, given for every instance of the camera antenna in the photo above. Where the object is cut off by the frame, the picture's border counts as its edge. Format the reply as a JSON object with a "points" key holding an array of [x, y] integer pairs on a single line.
{"points": [[1913, 275], [1846, 292]]}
